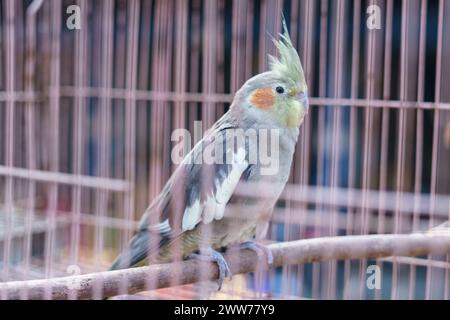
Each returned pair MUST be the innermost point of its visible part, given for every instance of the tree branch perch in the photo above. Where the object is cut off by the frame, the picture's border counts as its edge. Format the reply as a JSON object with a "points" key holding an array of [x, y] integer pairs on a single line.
{"points": [[244, 261]]}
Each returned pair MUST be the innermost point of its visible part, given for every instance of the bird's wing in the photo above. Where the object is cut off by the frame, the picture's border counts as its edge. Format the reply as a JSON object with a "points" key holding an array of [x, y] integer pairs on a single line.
{"points": [[198, 192], [209, 188]]}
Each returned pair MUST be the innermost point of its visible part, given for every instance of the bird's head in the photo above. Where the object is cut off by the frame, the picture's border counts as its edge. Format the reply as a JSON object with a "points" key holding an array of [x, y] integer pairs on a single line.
{"points": [[279, 95]]}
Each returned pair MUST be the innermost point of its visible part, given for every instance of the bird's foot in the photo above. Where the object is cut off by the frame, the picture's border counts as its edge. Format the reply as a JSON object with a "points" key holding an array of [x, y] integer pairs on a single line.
{"points": [[259, 249], [211, 255]]}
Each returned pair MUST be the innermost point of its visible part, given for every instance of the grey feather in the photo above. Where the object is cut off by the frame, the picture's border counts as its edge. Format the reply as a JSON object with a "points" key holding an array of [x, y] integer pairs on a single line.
{"points": [[135, 252]]}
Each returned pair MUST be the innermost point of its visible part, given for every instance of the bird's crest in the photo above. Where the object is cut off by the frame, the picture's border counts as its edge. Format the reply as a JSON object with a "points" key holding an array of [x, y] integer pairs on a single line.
{"points": [[287, 65]]}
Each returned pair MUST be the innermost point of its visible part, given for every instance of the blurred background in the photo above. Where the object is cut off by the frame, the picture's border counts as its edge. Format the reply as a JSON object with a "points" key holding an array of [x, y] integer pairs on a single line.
{"points": [[89, 97]]}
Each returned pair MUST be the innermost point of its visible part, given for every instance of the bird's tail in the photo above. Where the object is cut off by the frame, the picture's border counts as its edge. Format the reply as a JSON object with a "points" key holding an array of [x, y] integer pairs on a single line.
{"points": [[136, 251]]}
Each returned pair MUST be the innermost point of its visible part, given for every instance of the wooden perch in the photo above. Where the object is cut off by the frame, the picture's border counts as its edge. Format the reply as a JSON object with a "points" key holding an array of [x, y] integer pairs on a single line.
{"points": [[244, 261]]}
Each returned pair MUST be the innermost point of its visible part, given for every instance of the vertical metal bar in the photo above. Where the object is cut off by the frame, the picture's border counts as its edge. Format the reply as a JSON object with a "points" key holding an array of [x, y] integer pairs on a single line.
{"points": [[321, 133], [239, 59], [142, 136], [353, 134], [105, 131], [54, 136], [80, 75], [270, 24], [166, 85], [437, 98], [240, 44], [443, 180], [159, 169], [30, 119], [158, 115], [181, 26], [194, 62], [142, 131], [385, 124], [367, 152], [401, 138], [179, 119], [303, 151], [221, 51], [209, 60], [291, 207], [130, 111], [419, 136], [336, 140], [9, 6], [208, 112]]}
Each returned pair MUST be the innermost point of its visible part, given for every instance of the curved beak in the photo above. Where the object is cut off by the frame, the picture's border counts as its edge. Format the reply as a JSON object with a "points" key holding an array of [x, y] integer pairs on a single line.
{"points": [[293, 92], [301, 96]]}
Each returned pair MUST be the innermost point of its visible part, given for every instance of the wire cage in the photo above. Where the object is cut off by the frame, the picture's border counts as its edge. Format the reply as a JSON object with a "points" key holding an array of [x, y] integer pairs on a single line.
{"points": [[90, 92]]}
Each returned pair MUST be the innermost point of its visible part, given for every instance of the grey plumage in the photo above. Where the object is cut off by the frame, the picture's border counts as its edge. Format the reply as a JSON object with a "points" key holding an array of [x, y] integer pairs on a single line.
{"points": [[200, 195], [197, 182]]}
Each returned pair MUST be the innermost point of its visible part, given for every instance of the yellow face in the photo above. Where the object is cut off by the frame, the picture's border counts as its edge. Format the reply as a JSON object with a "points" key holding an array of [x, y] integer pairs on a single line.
{"points": [[287, 105]]}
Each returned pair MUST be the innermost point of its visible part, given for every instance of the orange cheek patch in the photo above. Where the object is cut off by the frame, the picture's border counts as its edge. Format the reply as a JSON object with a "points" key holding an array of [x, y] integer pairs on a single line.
{"points": [[263, 98]]}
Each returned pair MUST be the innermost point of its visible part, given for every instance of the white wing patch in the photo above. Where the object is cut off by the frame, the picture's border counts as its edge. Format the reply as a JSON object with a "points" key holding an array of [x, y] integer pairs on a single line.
{"points": [[209, 209], [191, 216], [214, 205], [226, 189]]}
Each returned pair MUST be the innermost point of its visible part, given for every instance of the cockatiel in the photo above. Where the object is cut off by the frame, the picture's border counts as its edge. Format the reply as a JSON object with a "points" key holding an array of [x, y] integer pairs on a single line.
{"points": [[197, 211]]}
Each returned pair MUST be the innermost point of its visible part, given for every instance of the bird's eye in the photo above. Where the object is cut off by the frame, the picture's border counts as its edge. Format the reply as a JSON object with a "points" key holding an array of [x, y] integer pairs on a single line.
{"points": [[279, 89]]}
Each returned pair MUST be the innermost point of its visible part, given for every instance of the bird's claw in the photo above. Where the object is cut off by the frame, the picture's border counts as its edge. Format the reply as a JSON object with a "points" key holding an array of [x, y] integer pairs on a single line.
{"points": [[212, 255], [259, 248]]}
